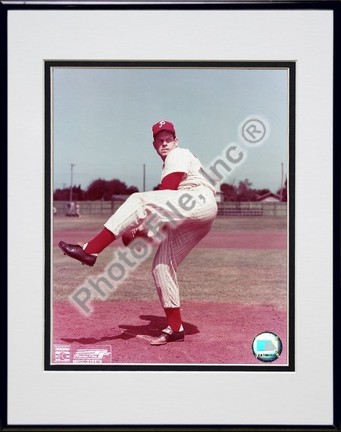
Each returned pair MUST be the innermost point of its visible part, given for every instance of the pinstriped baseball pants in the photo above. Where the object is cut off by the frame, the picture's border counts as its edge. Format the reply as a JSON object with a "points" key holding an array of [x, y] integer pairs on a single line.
{"points": [[187, 217]]}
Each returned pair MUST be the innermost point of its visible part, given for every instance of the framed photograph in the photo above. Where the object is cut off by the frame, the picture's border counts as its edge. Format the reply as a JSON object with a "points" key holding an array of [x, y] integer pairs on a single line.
{"points": [[251, 219], [192, 173]]}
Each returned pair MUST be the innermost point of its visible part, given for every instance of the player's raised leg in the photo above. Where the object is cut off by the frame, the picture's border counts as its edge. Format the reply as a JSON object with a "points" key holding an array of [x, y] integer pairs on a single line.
{"points": [[158, 206], [88, 253]]}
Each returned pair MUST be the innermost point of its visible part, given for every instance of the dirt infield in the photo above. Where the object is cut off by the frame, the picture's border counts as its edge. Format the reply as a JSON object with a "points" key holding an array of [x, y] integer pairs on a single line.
{"points": [[215, 333], [233, 287]]}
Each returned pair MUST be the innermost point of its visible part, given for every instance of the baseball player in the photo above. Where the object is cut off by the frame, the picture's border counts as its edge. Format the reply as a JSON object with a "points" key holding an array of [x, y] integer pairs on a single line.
{"points": [[185, 208]]}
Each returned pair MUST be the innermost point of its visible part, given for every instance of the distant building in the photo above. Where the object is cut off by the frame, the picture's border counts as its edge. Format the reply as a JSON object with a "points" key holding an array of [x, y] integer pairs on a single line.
{"points": [[269, 197]]}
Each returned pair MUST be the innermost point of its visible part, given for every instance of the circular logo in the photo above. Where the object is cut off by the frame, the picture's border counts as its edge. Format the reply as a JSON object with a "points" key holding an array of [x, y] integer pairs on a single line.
{"points": [[254, 131], [267, 347]]}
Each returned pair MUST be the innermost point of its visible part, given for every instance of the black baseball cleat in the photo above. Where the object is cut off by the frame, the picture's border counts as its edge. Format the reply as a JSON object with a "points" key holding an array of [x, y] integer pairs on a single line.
{"points": [[77, 252], [169, 335]]}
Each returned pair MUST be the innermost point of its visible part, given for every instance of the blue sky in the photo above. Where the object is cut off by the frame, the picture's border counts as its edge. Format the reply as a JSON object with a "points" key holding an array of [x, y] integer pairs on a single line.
{"points": [[102, 119]]}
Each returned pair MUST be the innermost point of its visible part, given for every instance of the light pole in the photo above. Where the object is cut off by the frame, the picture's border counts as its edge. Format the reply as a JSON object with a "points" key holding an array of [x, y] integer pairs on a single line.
{"points": [[144, 177], [72, 165]]}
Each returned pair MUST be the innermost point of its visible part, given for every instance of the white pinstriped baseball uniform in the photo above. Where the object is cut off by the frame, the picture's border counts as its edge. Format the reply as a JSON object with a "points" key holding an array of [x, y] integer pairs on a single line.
{"points": [[187, 213]]}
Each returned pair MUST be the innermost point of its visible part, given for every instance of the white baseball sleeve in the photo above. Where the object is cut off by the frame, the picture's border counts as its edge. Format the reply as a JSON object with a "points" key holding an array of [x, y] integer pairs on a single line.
{"points": [[178, 160]]}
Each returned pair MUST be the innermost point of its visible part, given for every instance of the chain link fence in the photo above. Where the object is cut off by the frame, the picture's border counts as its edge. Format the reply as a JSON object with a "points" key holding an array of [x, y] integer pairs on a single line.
{"points": [[61, 208]]}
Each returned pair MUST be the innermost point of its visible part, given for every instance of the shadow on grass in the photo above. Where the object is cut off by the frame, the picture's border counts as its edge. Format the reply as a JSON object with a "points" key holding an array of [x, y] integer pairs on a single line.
{"points": [[152, 329]]}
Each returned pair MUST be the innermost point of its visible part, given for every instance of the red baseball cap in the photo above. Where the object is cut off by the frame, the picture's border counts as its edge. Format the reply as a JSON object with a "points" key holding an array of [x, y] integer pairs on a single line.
{"points": [[161, 126]]}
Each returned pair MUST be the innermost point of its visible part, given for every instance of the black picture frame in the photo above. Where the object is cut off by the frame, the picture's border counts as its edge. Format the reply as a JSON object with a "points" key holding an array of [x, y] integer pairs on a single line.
{"points": [[262, 6]]}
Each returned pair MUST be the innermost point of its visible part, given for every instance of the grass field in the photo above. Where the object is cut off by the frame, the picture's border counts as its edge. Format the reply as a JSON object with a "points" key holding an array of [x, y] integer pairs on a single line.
{"points": [[247, 276]]}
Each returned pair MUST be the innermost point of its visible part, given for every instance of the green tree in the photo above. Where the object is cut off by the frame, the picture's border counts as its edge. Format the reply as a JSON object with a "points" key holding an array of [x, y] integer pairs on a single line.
{"points": [[244, 191], [229, 192], [61, 194], [96, 190], [101, 189]]}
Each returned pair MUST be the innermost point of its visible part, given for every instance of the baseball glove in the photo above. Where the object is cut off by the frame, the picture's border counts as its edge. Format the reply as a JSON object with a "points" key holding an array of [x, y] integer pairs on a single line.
{"points": [[131, 235]]}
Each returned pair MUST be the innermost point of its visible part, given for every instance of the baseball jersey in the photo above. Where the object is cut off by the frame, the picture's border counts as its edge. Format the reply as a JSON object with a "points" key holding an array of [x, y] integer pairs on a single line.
{"points": [[182, 160]]}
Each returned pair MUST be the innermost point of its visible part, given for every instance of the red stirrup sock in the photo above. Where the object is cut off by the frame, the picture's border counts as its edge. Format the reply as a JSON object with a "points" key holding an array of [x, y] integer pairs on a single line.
{"points": [[100, 242], [174, 318]]}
